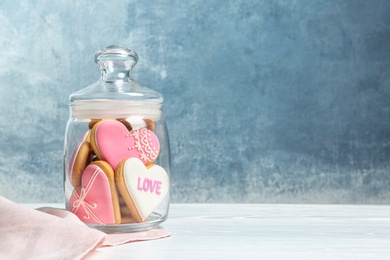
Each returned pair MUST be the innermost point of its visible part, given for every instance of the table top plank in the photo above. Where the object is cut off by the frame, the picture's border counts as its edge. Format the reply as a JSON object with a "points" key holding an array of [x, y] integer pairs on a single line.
{"points": [[265, 231]]}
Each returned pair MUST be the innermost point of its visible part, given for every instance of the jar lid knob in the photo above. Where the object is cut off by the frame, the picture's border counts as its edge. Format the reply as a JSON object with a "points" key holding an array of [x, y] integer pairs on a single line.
{"points": [[117, 53], [116, 63]]}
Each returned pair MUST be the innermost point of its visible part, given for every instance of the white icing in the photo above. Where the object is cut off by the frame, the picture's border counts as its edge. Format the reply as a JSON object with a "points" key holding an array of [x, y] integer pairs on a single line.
{"points": [[147, 151], [145, 201]]}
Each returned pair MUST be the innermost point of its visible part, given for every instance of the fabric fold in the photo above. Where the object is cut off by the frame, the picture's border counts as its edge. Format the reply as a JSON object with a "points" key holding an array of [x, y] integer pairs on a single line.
{"points": [[52, 233]]}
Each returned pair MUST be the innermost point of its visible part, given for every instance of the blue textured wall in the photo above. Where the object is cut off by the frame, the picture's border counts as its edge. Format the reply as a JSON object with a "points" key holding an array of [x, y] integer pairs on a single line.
{"points": [[266, 101]]}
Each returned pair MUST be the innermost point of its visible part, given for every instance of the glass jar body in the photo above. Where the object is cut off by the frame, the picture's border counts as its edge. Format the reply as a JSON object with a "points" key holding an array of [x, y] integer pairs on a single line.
{"points": [[117, 164]]}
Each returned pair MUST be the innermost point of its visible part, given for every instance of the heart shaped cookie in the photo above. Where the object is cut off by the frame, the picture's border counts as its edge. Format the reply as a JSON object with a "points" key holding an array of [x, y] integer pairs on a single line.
{"points": [[112, 142], [143, 188], [96, 201], [81, 157]]}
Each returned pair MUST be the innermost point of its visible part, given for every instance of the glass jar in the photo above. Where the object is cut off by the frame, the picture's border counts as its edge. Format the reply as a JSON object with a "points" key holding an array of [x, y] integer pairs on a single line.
{"points": [[116, 151]]}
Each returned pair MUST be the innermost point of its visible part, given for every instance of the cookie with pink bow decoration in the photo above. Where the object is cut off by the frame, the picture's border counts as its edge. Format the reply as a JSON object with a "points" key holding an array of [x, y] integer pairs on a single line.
{"points": [[96, 200]]}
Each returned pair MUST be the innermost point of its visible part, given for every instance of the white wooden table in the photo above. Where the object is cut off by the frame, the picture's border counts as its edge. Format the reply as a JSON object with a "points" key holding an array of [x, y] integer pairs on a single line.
{"points": [[269, 231]]}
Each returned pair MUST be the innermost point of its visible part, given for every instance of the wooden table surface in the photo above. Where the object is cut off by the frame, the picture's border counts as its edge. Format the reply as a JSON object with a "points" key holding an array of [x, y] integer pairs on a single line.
{"points": [[265, 231]]}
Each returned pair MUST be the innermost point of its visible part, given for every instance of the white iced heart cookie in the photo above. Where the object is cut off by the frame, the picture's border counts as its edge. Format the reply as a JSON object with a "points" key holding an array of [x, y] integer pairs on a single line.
{"points": [[142, 187]]}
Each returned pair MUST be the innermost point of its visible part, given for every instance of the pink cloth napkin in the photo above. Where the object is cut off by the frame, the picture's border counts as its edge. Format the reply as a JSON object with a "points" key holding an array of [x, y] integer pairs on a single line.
{"points": [[50, 233]]}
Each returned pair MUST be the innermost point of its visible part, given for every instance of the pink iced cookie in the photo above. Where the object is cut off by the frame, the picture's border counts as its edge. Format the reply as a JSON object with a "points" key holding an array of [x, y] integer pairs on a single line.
{"points": [[143, 188], [112, 142], [97, 199]]}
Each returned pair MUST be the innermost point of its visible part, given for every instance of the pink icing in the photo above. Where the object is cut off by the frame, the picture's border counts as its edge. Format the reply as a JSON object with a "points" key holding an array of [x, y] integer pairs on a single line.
{"points": [[149, 185], [116, 143], [93, 202]]}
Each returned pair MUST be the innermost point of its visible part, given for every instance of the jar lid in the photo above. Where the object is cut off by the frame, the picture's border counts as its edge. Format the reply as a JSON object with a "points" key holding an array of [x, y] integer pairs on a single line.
{"points": [[116, 93]]}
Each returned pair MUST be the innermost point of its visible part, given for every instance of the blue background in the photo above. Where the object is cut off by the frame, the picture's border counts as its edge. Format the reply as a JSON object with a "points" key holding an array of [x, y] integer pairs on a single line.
{"points": [[266, 101]]}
